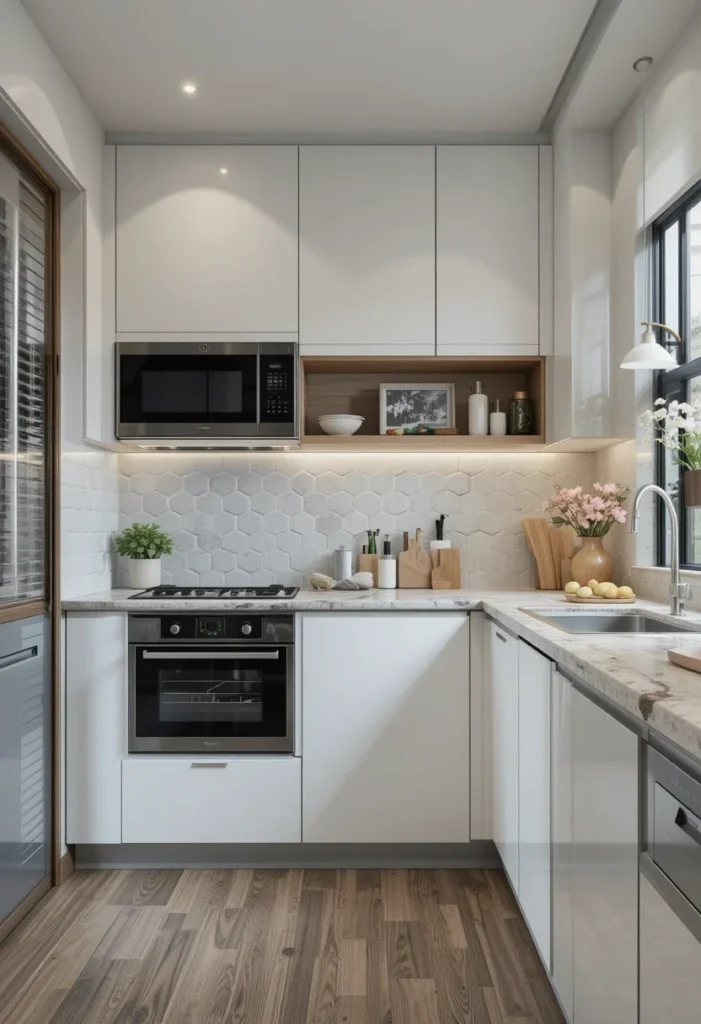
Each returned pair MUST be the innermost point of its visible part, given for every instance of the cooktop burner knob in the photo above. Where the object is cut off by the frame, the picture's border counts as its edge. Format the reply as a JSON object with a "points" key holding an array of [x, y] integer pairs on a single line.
{"points": [[247, 629], [175, 628]]}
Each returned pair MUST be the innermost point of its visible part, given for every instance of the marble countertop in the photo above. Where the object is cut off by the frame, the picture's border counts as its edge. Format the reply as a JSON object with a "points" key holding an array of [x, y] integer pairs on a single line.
{"points": [[630, 670]]}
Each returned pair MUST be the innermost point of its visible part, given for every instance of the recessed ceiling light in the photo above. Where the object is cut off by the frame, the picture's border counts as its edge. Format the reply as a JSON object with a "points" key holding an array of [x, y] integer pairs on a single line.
{"points": [[189, 88], [223, 170]]}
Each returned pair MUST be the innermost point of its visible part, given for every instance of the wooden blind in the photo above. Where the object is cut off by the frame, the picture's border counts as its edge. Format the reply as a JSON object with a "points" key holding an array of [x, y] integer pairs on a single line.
{"points": [[24, 230]]}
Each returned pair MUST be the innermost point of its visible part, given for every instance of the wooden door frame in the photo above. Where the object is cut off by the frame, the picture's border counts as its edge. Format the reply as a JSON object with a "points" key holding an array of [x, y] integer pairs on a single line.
{"points": [[29, 166]]}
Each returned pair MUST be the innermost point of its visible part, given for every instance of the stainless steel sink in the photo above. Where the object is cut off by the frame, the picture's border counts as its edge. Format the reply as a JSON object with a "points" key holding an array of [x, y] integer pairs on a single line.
{"points": [[611, 622]]}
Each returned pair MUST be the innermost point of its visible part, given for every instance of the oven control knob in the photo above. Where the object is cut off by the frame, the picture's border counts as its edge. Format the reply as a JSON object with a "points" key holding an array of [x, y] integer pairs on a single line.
{"points": [[175, 628], [247, 629]]}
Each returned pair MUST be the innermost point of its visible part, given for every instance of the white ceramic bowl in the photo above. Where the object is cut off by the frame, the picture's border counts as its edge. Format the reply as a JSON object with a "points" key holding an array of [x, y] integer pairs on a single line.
{"points": [[341, 424]]}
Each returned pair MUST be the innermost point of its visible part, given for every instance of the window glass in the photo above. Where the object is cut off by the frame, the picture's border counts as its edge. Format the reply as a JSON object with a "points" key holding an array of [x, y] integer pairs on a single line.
{"points": [[670, 312], [694, 234]]}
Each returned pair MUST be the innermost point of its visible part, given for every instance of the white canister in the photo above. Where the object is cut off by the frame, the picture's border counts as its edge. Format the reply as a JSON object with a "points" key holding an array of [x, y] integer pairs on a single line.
{"points": [[144, 573], [497, 421], [386, 573], [478, 411]]}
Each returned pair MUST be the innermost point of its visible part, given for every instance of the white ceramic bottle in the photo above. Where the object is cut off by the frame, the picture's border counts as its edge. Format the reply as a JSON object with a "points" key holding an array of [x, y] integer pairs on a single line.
{"points": [[497, 421], [478, 411]]}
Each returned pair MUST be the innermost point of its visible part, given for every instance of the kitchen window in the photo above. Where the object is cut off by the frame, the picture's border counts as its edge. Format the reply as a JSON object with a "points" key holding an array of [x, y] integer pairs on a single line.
{"points": [[677, 255]]}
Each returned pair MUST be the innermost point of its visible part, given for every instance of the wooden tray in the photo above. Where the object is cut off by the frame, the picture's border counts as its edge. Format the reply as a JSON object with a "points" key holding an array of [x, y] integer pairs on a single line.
{"points": [[689, 658], [573, 599]]}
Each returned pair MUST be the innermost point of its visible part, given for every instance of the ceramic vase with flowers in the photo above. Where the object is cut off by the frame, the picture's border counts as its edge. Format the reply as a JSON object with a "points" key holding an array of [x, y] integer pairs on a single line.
{"points": [[591, 516], [677, 427]]}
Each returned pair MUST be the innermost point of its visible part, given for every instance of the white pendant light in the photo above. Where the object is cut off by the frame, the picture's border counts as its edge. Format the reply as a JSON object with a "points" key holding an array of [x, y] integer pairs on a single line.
{"points": [[649, 354]]}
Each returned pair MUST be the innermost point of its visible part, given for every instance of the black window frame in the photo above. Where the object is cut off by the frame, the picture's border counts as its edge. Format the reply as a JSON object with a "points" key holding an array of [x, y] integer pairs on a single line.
{"points": [[675, 383]]}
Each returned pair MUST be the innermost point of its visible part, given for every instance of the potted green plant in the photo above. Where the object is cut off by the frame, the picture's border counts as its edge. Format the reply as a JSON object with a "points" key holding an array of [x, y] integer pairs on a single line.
{"points": [[677, 427], [144, 544]]}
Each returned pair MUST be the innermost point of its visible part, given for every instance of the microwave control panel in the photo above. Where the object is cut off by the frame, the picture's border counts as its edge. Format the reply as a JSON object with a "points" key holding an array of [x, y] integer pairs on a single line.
{"points": [[277, 388]]}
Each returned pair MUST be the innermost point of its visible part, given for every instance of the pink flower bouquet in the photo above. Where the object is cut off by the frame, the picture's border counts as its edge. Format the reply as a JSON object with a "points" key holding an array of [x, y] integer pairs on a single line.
{"points": [[589, 515]]}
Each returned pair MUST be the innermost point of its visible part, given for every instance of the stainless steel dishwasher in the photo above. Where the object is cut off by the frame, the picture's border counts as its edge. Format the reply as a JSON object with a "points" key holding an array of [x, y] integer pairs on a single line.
{"points": [[670, 895]]}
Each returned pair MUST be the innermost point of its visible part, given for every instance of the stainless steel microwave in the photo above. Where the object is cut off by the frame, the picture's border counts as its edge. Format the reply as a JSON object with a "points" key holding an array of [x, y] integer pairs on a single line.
{"points": [[224, 394]]}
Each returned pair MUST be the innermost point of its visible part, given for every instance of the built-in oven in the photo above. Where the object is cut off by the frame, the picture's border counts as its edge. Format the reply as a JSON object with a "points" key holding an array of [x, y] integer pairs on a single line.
{"points": [[171, 394], [211, 683]]}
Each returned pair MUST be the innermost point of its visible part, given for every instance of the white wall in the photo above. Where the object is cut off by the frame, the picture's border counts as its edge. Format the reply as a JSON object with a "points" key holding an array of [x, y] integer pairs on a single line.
{"points": [[41, 106]]}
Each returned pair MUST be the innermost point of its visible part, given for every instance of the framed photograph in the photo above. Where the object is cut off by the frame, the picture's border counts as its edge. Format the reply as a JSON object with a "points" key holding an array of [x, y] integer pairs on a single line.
{"points": [[408, 406]]}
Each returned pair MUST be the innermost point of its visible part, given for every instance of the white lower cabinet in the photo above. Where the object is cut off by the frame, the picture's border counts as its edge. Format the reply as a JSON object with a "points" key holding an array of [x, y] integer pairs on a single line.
{"points": [[595, 860], [243, 799], [96, 725], [534, 861], [562, 844], [505, 759], [386, 727], [605, 831]]}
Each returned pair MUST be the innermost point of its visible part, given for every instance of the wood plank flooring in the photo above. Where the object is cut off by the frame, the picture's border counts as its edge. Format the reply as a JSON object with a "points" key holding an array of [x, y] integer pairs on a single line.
{"points": [[262, 947]]}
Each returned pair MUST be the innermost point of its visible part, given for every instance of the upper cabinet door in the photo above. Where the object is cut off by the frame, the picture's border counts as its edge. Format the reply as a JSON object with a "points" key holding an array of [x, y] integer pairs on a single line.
{"points": [[367, 250], [206, 239], [488, 250]]}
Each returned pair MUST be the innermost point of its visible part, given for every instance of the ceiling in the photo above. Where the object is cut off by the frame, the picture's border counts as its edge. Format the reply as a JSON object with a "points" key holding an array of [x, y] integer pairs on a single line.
{"points": [[327, 69]]}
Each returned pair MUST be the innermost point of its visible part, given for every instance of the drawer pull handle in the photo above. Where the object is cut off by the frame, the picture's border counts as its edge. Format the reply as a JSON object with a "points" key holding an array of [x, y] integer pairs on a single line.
{"points": [[209, 764], [685, 825], [18, 657], [502, 638]]}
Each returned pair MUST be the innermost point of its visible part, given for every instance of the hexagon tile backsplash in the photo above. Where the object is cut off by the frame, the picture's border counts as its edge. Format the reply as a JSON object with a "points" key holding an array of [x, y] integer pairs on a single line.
{"points": [[239, 519]]}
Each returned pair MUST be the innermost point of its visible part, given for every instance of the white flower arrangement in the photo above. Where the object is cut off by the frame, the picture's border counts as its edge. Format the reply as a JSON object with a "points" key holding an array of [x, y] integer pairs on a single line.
{"points": [[677, 427]]}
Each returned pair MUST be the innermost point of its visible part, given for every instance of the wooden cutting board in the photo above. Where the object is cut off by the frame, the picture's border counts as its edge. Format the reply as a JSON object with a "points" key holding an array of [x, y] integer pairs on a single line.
{"points": [[445, 574], [414, 566], [538, 536]]}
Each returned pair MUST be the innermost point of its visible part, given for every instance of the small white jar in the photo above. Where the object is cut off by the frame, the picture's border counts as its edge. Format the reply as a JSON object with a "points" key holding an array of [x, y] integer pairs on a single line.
{"points": [[386, 573]]}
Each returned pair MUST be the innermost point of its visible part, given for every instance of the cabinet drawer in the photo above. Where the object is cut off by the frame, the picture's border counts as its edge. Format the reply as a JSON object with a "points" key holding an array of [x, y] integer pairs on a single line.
{"points": [[203, 800]]}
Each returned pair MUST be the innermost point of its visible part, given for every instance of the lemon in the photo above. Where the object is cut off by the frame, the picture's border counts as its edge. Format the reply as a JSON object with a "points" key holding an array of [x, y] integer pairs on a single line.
{"points": [[611, 591], [593, 583], [584, 592], [572, 587], [626, 592]]}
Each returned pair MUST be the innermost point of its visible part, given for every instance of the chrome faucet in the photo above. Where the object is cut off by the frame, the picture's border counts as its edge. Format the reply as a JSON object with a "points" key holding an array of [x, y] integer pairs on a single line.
{"points": [[679, 592]]}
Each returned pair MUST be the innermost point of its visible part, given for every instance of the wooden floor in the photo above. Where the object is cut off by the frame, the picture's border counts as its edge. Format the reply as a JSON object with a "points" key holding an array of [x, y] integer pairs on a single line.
{"points": [[261, 947]]}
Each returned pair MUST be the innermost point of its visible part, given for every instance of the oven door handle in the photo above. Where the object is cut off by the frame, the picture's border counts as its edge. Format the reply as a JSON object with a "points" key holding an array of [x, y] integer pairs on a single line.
{"points": [[211, 655]]}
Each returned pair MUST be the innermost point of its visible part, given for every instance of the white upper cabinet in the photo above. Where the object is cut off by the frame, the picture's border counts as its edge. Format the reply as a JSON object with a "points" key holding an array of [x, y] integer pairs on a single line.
{"points": [[206, 239], [367, 250], [488, 250]]}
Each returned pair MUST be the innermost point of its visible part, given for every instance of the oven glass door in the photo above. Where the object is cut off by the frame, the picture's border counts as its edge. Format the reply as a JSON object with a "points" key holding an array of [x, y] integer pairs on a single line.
{"points": [[173, 388], [213, 698]]}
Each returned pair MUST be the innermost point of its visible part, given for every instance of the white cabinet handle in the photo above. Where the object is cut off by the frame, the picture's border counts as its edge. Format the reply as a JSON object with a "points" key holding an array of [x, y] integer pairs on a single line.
{"points": [[209, 764]]}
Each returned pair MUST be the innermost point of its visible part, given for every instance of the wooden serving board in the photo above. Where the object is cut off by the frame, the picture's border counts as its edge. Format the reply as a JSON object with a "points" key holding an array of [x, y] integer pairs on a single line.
{"points": [[414, 566], [689, 658], [573, 599], [446, 569]]}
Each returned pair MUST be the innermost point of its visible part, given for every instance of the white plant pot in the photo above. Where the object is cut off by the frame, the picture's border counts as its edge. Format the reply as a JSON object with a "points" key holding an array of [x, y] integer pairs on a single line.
{"points": [[144, 573]]}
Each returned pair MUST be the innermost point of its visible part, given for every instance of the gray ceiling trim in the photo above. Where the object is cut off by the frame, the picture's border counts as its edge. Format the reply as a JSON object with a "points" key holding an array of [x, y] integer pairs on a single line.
{"points": [[594, 31], [328, 139]]}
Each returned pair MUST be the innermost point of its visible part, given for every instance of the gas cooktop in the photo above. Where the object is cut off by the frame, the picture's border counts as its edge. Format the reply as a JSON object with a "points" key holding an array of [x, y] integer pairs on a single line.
{"points": [[175, 593]]}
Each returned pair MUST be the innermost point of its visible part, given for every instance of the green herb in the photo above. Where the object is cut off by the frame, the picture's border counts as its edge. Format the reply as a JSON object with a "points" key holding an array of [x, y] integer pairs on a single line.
{"points": [[144, 540]]}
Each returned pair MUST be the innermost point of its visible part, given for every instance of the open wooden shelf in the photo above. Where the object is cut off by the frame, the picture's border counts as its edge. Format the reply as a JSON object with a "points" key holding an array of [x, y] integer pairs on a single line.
{"points": [[350, 384]]}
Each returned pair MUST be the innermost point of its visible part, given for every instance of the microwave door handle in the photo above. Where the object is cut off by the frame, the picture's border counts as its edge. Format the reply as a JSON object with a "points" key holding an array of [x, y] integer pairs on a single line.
{"points": [[258, 390], [211, 655]]}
